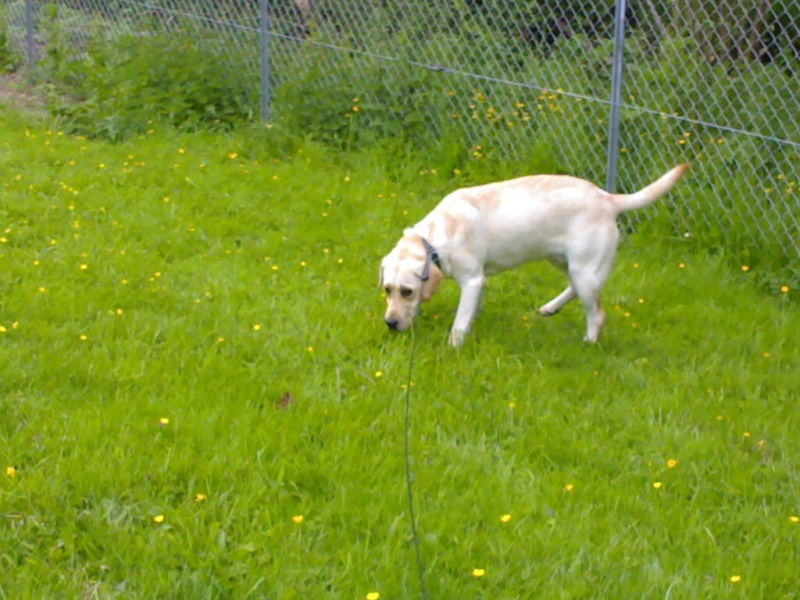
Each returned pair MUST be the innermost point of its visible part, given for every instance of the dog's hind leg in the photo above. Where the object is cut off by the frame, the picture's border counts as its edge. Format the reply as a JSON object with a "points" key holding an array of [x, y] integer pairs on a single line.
{"points": [[588, 283], [595, 315], [557, 303], [589, 265]]}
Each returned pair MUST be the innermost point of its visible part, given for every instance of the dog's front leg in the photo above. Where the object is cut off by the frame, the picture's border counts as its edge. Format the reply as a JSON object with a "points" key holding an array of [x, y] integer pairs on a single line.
{"points": [[467, 307]]}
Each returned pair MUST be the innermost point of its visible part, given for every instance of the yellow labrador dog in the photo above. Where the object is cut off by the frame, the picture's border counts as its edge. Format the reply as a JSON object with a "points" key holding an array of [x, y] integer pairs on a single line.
{"points": [[483, 230]]}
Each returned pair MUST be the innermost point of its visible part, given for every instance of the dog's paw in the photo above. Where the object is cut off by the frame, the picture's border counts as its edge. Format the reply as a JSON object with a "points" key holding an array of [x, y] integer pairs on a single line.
{"points": [[457, 337], [546, 311]]}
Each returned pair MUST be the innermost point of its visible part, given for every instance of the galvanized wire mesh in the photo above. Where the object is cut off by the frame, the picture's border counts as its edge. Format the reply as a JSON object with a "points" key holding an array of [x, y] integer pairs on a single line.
{"points": [[713, 83]]}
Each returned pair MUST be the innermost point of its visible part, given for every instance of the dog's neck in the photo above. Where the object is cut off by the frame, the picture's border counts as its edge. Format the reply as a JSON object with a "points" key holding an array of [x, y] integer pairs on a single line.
{"points": [[431, 256], [433, 253]]}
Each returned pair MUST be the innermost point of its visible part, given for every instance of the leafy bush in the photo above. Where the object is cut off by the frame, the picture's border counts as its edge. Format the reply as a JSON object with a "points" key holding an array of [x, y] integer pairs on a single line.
{"points": [[120, 86], [9, 59]]}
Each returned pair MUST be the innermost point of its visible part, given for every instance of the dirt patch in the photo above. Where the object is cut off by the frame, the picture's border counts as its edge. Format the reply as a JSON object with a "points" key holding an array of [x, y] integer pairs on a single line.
{"points": [[16, 93]]}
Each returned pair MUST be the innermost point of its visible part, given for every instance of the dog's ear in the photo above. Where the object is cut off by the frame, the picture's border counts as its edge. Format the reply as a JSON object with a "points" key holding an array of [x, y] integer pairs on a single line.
{"points": [[430, 286]]}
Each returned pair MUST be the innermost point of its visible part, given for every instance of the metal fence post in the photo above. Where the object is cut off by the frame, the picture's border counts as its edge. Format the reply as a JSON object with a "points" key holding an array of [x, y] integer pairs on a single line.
{"points": [[29, 35], [616, 91], [264, 43]]}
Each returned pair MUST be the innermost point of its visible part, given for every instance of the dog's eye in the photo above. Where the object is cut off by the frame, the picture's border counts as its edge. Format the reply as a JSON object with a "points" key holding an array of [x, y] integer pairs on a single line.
{"points": [[406, 292], [388, 291]]}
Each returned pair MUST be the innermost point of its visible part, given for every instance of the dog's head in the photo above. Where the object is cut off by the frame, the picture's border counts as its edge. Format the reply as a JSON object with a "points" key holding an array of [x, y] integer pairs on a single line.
{"points": [[409, 277]]}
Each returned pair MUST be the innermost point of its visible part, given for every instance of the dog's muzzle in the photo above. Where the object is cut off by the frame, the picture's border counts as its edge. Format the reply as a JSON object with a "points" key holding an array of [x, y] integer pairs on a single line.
{"points": [[391, 323]]}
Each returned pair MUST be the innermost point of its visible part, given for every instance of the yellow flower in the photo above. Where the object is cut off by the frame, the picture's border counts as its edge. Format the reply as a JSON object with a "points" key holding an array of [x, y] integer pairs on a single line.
{"points": [[373, 596], [792, 519], [232, 155], [200, 497], [378, 373], [11, 472], [671, 463], [298, 519], [681, 265], [158, 518], [784, 289], [657, 484], [505, 518], [478, 572], [163, 421], [745, 268], [735, 578], [310, 348], [256, 327], [569, 487]]}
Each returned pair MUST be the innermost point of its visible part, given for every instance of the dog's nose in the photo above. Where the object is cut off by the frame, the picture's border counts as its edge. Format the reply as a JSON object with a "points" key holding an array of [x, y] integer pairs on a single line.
{"points": [[391, 323]]}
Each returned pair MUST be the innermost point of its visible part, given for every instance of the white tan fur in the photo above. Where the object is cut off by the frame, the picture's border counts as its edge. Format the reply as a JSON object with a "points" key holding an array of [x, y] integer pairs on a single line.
{"points": [[483, 230]]}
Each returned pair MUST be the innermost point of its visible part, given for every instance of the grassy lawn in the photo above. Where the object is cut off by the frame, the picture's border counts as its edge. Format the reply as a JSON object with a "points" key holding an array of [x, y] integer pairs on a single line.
{"points": [[159, 298]]}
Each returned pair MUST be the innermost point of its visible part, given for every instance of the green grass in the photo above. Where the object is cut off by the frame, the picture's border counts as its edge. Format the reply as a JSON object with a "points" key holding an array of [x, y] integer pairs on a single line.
{"points": [[197, 278]]}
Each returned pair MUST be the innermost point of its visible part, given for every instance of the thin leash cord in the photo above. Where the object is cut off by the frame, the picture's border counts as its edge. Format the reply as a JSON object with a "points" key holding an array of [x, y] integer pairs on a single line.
{"points": [[412, 516]]}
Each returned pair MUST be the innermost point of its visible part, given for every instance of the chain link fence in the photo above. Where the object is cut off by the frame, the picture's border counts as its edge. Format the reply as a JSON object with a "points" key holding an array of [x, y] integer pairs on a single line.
{"points": [[714, 83]]}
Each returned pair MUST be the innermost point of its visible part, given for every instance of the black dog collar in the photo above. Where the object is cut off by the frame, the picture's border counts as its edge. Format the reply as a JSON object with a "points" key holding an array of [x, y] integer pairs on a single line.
{"points": [[430, 256]]}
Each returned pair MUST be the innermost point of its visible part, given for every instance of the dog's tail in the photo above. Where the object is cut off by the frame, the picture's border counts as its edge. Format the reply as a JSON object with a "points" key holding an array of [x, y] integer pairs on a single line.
{"points": [[652, 192]]}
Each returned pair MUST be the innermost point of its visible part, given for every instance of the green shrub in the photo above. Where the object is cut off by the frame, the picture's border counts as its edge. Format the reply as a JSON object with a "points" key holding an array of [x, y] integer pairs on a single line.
{"points": [[121, 86], [9, 59]]}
